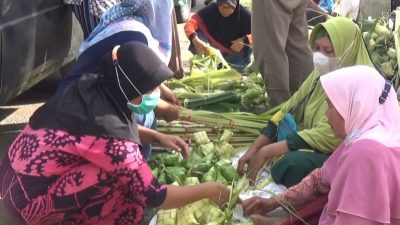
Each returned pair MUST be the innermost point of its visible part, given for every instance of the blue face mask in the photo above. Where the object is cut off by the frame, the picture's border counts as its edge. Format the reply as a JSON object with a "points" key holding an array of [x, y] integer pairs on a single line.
{"points": [[149, 102]]}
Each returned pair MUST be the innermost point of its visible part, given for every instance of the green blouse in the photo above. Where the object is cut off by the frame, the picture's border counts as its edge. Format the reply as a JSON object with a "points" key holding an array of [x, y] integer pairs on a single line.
{"points": [[308, 104]]}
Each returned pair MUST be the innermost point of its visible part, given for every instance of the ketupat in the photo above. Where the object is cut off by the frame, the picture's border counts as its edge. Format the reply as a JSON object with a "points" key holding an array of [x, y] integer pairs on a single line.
{"points": [[223, 162], [210, 157], [200, 212], [387, 69], [162, 178], [166, 217], [392, 53], [221, 179], [380, 43], [185, 216], [200, 168], [155, 172], [210, 175], [192, 181], [193, 158], [201, 138], [212, 84], [382, 30], [215, 215], [228, 171], [256, 78], [201, 209], [207, 149], [175, 174], [171, 159], [226, 136], [224, 150], [207, 212]]}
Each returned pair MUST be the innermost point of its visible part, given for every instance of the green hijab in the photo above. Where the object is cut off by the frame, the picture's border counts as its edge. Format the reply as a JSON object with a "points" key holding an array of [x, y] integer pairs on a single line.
{"points": [[346, 39], [308, 105]]}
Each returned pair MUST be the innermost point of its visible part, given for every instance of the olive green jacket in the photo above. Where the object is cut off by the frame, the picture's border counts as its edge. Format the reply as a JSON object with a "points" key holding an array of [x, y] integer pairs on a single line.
{"points": [[308, 104]]}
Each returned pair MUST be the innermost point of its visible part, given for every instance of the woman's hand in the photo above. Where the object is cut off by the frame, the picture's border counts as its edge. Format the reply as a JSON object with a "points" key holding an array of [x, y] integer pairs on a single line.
{"points": [[174, 142], [258, 205], [245, 160], [237, 45], [272, 150], [169, 113], [220, 194], [200, 46], [168, 95], [260, 142], [257, 162], [178, 196]]}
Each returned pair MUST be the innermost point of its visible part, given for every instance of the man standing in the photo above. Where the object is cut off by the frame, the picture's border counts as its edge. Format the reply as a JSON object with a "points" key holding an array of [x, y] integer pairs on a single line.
{"points": [[280, 45]]}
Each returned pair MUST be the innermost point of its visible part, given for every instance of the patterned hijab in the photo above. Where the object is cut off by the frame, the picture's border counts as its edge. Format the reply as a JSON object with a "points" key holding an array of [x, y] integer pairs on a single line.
{"points": [[96, 7], [152, 17]]}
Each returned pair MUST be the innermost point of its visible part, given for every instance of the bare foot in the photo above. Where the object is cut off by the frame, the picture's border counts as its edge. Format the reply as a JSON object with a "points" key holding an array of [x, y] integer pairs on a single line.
{"points": [[262, 220]]}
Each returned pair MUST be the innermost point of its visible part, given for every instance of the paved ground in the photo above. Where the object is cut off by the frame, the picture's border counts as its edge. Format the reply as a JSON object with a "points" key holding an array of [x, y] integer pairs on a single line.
{"points": [[15, 114]]}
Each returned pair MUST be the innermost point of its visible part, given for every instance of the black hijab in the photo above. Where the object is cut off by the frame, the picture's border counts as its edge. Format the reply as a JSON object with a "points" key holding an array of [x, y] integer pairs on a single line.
{"points": [[94, 104], [226, 29]]}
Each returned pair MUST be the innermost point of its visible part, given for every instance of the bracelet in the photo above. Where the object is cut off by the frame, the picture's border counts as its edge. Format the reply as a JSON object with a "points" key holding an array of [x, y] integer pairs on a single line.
{"points": [[192, 36]]}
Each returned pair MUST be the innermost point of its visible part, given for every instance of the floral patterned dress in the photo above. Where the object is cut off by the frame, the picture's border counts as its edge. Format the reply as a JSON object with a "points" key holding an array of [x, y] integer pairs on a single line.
{"points": [[53, 177]]}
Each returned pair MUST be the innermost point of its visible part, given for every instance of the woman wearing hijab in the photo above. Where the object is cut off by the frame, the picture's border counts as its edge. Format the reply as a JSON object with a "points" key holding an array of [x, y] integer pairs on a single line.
{"points": [[88, 13], [126, 20], [361, 176], [130, 20], [299, 131], [225, 25], [78, 160]]}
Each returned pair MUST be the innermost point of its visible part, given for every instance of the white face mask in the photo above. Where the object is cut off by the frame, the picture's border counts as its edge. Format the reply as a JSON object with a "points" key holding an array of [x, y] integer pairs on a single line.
{"points": [[323, 63]]}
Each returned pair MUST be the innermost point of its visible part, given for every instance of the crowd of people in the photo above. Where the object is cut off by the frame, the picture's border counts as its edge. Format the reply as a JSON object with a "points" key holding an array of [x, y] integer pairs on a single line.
{"points": [[82, 157]]}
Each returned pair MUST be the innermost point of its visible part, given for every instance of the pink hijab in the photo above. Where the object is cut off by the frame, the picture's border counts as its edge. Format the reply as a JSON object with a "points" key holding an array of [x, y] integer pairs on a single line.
{"points": [[355, 92], [363, 172]]}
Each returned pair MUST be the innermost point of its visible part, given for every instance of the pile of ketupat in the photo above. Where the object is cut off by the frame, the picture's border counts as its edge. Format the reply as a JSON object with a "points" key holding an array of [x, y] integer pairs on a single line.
{"points": [[381, 44], [213, 85], [208, 161]]}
